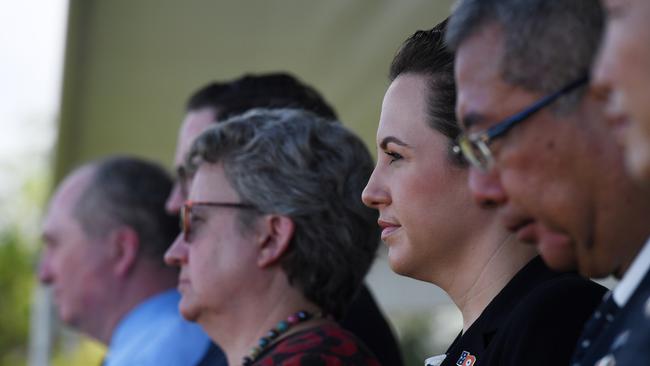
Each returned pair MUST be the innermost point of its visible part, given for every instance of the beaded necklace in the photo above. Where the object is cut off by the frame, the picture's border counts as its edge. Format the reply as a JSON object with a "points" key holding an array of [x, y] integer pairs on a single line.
{"points": [[281, 328]]}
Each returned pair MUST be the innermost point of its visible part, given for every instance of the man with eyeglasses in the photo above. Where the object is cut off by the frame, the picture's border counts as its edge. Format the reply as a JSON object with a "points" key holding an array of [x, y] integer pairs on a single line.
{"points": [[540, 149], [219, 101]]}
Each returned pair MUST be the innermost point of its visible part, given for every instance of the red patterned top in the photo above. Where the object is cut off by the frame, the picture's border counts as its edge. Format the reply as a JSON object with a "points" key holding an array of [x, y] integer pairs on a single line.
{"points": [[325, 345]]}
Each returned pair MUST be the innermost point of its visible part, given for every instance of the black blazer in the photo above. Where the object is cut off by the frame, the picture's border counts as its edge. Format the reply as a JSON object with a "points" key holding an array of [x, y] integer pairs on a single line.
{"points": [[535, 320], [626, 341]]}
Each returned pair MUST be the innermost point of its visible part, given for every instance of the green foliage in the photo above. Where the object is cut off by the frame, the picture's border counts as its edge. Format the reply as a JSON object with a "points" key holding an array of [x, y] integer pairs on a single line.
{"points": [[16, 284], [415, 339], [85, 352]]}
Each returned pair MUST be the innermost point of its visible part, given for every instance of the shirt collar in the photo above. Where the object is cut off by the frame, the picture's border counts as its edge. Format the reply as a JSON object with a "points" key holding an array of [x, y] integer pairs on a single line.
{"points": [[633, 276], [139, 319]]}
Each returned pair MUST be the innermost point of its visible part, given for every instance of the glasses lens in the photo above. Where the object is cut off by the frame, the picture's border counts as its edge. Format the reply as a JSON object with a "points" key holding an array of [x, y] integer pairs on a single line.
{"points": [[469, 151], [185, 221], [475, 151]]}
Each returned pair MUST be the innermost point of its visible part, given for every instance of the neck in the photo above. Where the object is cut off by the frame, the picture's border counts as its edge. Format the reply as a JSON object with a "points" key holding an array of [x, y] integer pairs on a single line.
{"points": [[126, 294], [239, 327], [478, 280]]}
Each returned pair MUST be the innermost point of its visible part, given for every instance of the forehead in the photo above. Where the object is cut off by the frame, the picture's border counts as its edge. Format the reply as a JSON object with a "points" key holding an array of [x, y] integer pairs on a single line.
{"points": [[210, 184], [480, 52], [404, 105], [194, 123], [477, 68], [65, 198], [484, 97]]}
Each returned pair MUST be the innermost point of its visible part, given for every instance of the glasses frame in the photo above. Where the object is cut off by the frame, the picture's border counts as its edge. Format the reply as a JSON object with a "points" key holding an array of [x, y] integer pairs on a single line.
{"points": [[468, 144], [186, 212]]}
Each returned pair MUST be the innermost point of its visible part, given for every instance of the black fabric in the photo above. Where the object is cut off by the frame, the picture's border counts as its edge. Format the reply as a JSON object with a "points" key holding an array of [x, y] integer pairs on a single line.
{"points": [[600, 320], [535, 320], [213, 357], [365, 320], [626, 341]]}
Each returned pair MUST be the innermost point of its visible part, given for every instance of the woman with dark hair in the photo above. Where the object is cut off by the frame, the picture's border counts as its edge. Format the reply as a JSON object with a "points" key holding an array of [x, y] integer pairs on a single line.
{"points": [[276, 240], [515, 310]]}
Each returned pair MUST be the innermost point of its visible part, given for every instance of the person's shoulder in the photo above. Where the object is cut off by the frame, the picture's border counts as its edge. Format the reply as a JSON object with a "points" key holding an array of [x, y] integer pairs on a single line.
{"points": [[632, 335], [322, 359], [546, 323], [323, 345], [631, 345], [177, 341], [566, 290], [562, 300]]}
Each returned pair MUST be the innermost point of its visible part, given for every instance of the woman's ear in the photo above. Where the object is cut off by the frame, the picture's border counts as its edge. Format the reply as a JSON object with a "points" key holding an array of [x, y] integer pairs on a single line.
{"points": [[273, 238]]}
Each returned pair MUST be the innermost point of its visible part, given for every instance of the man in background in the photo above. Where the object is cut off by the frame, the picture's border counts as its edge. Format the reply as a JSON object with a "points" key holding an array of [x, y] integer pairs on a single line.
{"points": [[622, 74], [105, 233], [542, 152], [217, 102]]}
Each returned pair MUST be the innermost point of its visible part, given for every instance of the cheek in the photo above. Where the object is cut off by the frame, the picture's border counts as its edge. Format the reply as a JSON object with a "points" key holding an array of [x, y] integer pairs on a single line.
{"points": [[637, 154], [199, 266]]}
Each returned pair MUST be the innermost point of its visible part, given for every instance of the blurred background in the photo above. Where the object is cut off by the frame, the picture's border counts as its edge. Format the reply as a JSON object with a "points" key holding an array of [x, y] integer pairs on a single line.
{"points": [[84, 78]]}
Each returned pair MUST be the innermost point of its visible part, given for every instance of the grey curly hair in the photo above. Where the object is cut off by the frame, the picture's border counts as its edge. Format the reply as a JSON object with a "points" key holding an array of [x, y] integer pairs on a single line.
{"points": [[312, 170]]}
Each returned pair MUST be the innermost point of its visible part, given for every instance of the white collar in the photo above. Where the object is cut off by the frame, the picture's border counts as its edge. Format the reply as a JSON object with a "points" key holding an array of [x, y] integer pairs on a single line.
{"points": [[435, 360], [633, 276]]}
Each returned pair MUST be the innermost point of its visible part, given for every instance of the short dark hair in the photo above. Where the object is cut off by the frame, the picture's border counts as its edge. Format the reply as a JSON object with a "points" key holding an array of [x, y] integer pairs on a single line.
{"points": [[129, 191], [546, 43], [294, 163], [425, 53], [272, 90]]}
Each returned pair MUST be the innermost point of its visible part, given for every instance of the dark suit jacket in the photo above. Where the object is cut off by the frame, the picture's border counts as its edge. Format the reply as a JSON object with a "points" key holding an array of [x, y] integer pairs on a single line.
{"points": [[535, 320], [627, 339]]}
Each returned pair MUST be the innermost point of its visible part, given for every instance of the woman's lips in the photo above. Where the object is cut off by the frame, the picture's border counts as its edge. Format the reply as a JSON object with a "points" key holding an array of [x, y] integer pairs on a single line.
{"points": [[388, 228]]}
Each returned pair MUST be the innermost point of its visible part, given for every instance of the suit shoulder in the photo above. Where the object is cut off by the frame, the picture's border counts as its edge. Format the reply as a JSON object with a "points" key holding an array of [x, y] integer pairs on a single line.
{"points": [[550, 316], [565, 290]]}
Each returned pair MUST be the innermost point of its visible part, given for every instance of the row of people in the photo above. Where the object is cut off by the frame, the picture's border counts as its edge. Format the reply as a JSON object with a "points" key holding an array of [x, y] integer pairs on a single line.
{"points": [[171, 340], [273, 228]]}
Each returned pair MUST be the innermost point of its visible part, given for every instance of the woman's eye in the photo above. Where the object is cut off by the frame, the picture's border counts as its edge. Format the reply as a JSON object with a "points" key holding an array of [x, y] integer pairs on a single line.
{"points": [[393, 156]]}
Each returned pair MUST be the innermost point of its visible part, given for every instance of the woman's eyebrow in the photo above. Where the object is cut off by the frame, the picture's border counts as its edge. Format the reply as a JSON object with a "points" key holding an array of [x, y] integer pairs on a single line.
{"points": [[388, 139]]}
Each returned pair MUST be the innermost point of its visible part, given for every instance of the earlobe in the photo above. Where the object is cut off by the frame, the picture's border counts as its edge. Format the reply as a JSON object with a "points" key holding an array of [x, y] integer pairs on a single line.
{"points": [[274, 239], [126, 243]]}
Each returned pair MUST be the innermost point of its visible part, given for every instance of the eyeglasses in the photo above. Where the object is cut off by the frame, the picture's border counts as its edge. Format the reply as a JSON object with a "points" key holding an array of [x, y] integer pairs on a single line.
{"points": [[186, 213], [475, 147]]}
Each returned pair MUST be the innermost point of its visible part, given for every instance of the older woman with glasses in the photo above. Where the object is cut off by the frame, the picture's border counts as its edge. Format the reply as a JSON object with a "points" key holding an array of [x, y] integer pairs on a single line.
{"points": [[276, 240], [515, 310]]}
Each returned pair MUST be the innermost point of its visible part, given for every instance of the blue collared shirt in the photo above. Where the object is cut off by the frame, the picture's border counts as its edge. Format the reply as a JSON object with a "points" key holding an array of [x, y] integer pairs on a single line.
{"points": [[154, 333]]}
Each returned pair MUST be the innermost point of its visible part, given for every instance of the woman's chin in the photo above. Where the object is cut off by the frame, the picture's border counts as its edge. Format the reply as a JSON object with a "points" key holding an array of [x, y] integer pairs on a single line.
{"points": [[399, 263]]}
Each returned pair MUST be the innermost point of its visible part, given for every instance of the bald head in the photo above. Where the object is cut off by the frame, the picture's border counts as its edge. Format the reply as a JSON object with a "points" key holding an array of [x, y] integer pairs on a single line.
{"points": [[70, 262], [105, 233], [67, 195]]}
